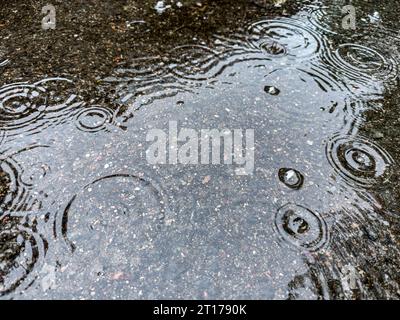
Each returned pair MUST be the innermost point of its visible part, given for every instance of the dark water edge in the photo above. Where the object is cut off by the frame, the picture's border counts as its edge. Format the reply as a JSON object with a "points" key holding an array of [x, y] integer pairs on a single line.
{"points": [[84, 215]]}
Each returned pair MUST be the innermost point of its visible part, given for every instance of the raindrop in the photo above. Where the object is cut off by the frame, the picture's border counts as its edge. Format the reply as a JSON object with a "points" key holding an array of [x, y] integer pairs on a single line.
{"points": [[290, 85], [273, 48]]}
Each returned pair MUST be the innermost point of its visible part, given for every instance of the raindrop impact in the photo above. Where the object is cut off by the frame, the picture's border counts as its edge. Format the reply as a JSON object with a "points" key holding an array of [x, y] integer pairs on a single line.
{"points": [[94, 119], [195, 62], [285, 37], [359, 161], [301, 227], [31, 108], [361, 63]]}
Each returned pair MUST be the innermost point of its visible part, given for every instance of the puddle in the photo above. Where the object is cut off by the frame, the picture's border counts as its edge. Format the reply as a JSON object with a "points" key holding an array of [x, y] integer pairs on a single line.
{"points": [[83, 214]]}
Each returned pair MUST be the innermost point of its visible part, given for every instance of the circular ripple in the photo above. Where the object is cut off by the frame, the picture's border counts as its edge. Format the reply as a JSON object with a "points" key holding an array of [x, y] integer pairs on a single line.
{"points": [[11, 192], [329, 21], [28, 108], [119, 209], [291, 178], [18, 176], [285, 37], [195, 62], [22, 250], [144, 81], [21, 104], [362, 63], [301, 227], [31, 175], [359, 161], [140, 70], [94, 119]]}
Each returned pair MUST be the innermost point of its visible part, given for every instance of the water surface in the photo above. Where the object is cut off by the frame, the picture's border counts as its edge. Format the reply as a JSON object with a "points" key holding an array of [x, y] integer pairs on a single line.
{"points": [[84, 215]]}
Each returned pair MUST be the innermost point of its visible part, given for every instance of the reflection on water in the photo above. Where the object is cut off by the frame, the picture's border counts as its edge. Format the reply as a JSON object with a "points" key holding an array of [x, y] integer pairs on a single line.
{"points": [[83, 215]]}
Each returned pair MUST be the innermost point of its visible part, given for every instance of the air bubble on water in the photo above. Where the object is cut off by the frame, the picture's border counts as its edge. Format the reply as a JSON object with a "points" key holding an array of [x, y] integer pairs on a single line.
{"points": [[273, 91]]}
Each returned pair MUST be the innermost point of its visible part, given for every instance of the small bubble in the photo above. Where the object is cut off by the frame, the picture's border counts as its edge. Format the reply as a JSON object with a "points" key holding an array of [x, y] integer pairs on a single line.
{"points": [[273, 91], [291, 178]]}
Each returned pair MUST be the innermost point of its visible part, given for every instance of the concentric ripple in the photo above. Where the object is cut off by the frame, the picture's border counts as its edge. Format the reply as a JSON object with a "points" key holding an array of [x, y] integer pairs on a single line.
{"points": [[11, 192], [141, 69], [285, 37], [29, 108], [301, 227], [329, 21], [362, 63], [94, 119], [124, 209], [143, 81], [17, 178], [359, 161], [22, 250], [195, 62], [21, 104]]}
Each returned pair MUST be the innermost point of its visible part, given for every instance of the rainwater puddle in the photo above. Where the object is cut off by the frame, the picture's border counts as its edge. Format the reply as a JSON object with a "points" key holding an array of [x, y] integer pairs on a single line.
{"points": [[83, 214]]}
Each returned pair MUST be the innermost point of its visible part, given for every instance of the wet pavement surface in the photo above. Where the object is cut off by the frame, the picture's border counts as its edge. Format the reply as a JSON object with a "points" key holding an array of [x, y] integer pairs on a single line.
{"points": [[83, 214]]}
